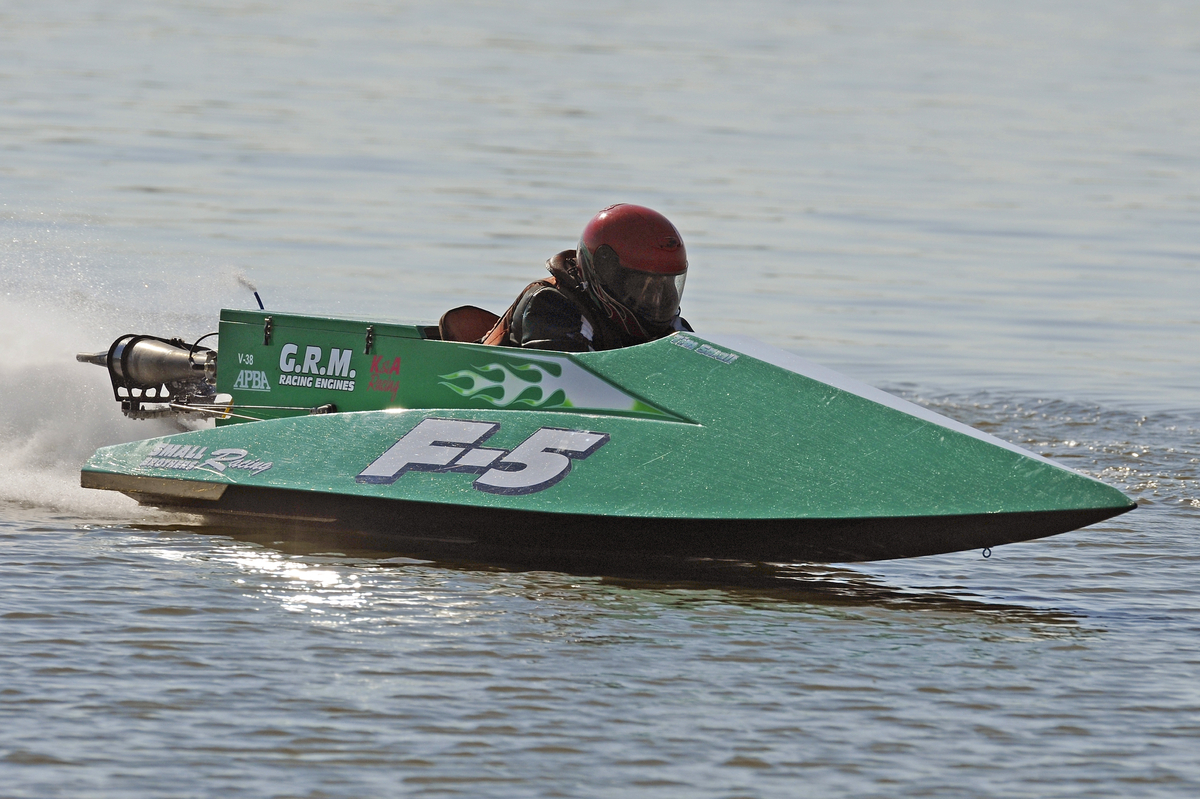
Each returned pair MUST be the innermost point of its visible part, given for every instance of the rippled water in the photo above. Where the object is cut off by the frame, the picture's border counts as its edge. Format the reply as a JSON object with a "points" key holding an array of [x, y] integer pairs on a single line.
{"points": [[988, 209]]}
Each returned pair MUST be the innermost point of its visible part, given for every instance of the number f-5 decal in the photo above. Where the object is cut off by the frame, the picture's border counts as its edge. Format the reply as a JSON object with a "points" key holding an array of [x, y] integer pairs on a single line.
{"points": [[452, 445]]}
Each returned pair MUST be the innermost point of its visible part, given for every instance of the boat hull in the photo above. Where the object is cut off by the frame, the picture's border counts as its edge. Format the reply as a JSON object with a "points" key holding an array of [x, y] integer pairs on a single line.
{"points": [[684, 446], [482, 534]]}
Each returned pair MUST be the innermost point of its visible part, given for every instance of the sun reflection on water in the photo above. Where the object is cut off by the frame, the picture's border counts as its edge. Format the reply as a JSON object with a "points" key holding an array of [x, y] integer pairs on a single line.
{"points": [[338, 589], [299, 586]]}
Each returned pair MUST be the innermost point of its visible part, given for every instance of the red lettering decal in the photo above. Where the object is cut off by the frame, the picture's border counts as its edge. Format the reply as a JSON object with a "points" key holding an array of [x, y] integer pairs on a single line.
{"points": [[387, 386]]}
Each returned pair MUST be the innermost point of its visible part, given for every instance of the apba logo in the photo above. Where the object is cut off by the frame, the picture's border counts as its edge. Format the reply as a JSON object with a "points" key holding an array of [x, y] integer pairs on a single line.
{"points": [[252, 380]]}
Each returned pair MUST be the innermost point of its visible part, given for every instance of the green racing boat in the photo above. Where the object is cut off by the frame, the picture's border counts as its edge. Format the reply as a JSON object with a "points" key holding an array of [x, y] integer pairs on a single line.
{"points": [[689, 446]]}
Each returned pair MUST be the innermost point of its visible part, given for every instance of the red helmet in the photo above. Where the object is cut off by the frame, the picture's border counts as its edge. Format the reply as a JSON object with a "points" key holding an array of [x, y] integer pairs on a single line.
{"points": [[635, 257]]}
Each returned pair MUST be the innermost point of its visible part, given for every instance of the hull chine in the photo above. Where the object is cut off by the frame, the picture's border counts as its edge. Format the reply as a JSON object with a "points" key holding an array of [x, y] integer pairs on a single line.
{"points": [[476, 533]]}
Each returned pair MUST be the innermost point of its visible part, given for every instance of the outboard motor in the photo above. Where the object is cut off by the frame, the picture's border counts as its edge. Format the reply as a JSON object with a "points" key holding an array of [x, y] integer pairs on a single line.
{"points": [[172, 376]]}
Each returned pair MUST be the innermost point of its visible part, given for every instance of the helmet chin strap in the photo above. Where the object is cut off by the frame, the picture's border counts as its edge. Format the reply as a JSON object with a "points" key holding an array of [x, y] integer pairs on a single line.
{"points": [[615, 311], [622, 315]]}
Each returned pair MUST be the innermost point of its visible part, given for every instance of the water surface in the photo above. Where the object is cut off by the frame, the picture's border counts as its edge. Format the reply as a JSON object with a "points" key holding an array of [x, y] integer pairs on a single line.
{"points": [[989, 210]]}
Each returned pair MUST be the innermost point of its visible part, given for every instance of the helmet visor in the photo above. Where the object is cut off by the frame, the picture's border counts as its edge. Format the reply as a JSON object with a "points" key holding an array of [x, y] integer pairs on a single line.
{"points": [[651, 296]]}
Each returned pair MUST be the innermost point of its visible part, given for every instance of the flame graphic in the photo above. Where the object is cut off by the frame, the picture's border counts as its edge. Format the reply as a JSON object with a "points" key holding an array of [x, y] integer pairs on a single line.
{"points": [[534, 386]]}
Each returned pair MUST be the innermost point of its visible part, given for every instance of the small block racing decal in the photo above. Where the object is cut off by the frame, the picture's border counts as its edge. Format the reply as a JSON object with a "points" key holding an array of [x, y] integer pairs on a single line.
{"points": [[704, 349], [453, 445], [183, 458]]}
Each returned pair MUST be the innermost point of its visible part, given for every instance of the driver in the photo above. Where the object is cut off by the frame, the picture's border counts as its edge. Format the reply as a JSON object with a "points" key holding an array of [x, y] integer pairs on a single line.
{"points": [[619, 288]]}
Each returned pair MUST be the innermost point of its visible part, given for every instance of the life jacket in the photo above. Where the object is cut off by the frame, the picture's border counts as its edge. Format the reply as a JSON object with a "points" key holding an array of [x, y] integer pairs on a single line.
{"points": [[501, 333], [566, 283]]}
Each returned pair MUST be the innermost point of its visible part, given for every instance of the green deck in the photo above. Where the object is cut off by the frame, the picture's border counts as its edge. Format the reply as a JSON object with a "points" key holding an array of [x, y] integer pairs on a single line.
{"points": [[680, 428]]}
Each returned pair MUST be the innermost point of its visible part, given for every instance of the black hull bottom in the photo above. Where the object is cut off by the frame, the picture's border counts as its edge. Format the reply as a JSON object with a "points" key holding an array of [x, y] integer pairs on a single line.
{"points": [[505, 536]]}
